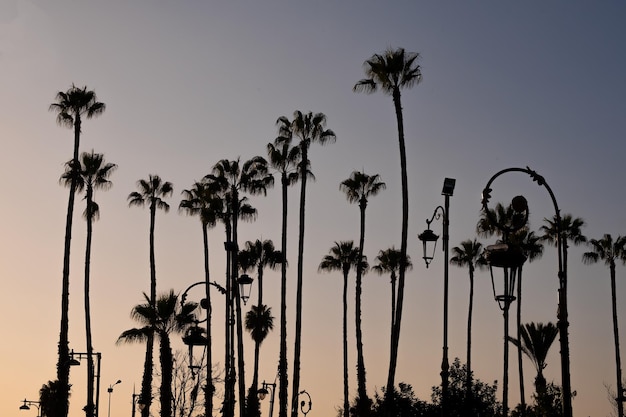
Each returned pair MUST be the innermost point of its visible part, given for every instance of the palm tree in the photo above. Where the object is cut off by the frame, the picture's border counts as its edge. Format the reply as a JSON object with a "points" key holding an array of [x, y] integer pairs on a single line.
{"points": [[234, 178], [469, 254], [70, 106], [535, 341], [284, 158], [93, 174], [162, 318], [259, 323], [389, 263], [392, 71], [151, 191], [343, 256], [571, 230], [258, 255], [610, 251], [358, 188], [308, 128], [202, 201]]}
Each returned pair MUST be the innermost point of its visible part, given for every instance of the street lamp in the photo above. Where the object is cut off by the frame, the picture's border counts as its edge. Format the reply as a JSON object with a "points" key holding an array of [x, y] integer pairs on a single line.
{"points": [[76, 362], [562, 314], [263, 391], [429, 237], [305, 406], [110, 391], [28, 403]]}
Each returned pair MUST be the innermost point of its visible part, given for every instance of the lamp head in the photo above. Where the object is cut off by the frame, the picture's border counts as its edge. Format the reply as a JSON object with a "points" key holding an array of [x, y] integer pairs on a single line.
{"points": [[448, 186]]}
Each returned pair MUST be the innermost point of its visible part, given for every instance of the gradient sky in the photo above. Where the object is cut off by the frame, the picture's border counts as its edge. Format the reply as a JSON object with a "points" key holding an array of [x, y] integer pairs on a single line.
{"points": [[537, 84]]}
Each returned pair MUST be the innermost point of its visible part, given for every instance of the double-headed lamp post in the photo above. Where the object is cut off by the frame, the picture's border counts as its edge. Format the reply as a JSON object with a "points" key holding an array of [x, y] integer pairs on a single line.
{"points": [[28, 403], [428, 237], [76, 362], [562, 314]]}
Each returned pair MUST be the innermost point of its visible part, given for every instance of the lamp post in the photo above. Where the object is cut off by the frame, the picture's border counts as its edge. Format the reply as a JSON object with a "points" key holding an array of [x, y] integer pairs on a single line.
{"points": [[28, 403], [136, 402], [562, 314], [110, 391], [305, 406], [263, 391], [428, 237], [76, 362]]}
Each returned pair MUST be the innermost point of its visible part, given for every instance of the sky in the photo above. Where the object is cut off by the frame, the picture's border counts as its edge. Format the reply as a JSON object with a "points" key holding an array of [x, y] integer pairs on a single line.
{"points": [[505, 84]]}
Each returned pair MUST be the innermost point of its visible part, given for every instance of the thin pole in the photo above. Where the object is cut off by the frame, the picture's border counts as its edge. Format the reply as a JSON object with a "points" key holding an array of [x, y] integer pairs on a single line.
{"points": [[444, 362]]}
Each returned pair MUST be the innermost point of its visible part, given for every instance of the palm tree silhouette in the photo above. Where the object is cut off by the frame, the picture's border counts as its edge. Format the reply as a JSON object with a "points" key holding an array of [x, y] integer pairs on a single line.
{"points": [[152, 192], [469, 254], [535, 341], [358, 188], [93, 173], [308, 128], [392, 71], [283, 158], [162, 318], [610, 251], [70, 106], [233, 178], [342, 257], [202, 201]]}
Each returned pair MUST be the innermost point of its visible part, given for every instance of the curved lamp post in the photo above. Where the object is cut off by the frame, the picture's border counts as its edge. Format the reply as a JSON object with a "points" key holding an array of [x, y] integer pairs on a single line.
{"points": [[110, 391], [305, 406], [28, 403], [428, 237], [562, 315], [263, 391]]}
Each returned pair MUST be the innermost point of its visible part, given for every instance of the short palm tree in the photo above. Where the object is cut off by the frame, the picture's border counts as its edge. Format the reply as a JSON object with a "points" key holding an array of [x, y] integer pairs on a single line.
{"points": [[469, 254], [391, 72], [152, 192], [166, 316], [610, 252], [259, 322], [535, 341], [283, 157], [389, 263], [202, 200], [358, 188], [70, 106], [93, 174], [309, 128], [342, 257]]}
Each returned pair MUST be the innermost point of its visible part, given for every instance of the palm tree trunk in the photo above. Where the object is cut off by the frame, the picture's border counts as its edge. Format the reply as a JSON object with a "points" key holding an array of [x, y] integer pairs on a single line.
{"points": [[468, 380], [147, 386], [146, 382], [346, 393], [209, 355], [395, 336], [298, 330], [618, 361], [63, 366], [519, 346], [89, 409], [282, 361], [229, 389], [167, 364], [363, 401]]}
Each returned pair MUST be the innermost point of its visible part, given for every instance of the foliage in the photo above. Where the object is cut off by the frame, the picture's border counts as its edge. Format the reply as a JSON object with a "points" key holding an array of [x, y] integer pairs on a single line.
{"points": [[550, 405], [49, 399]]}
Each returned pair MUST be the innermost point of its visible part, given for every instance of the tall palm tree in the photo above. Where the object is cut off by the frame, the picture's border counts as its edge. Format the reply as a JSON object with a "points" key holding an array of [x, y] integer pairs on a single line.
{"points": [[342, 257], [389, 263], [162, 318], [358, 188], [571, 230], [610, 251], [308, 128], [535, 341], [469, 254], [233, 179], [93, 174], [259, 322], [259, 255], [70, 106], [283, 157], [393, 71], [202, 201], [152, 192]]}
